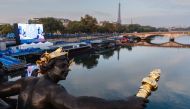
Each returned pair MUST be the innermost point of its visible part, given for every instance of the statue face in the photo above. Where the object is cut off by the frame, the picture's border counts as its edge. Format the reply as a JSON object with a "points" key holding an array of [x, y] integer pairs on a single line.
{"points": [[60, 70]]}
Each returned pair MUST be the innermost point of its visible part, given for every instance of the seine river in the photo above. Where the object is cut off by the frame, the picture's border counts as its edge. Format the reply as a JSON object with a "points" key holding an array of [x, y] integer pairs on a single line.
{"points": [[117, 74]]}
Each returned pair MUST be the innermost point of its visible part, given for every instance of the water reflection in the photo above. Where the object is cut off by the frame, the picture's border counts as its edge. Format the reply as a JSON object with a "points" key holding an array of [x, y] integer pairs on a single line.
{"points": [[159, 40], [117, 78], [108, 54], [183, 40], [88, 60]]}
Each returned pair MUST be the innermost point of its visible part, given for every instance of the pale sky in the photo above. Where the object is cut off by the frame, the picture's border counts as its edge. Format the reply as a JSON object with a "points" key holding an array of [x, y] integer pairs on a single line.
{"points": [[145, 12]]}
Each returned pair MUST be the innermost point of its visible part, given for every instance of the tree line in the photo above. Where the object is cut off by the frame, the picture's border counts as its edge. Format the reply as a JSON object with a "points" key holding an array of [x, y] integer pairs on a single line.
{"points": [[6, 28], [87, 24]]}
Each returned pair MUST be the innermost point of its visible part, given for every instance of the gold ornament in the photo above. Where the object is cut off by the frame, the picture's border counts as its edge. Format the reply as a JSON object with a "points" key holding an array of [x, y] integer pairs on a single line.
{"points": [[46, 57], [149, 84]]}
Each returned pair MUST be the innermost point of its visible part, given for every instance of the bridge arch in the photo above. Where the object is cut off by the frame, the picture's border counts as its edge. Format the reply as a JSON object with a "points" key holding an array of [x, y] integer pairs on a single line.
{"points": [[172, 34], [135, 38], [153, 36], [173, 43]]}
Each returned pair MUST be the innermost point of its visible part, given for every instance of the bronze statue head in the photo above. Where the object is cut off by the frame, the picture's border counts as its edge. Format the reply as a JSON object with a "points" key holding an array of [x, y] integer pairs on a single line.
{"points": [[58, 68], [55, 64]]}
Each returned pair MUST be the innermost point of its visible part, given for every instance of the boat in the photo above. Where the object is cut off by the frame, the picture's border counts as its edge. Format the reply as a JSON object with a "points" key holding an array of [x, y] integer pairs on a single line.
{"points": [[101, 46], [74, 49]]}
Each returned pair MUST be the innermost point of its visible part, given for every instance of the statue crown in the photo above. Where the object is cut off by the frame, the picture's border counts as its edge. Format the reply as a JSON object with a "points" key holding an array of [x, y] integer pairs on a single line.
{"points": [[46, 57]]}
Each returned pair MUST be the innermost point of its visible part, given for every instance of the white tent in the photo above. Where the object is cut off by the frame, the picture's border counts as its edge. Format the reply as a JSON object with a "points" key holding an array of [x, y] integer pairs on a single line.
{"points": [[36, 45], [48, 43], [24, 46]]}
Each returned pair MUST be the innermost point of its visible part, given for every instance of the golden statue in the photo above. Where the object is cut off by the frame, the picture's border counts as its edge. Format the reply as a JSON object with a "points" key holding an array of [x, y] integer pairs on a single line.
{"points": [[149, 84]]}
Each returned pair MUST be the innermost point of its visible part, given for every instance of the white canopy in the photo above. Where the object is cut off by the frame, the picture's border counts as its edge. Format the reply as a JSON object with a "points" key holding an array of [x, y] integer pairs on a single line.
{"points": [[36, 45]]}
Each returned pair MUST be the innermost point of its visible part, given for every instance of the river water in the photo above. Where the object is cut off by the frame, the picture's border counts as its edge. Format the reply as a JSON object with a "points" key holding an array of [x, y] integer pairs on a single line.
{"points": [[117, 74]]}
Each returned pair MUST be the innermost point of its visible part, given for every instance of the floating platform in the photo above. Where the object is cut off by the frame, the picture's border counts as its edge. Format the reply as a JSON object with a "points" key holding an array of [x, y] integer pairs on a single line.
{"points": [[12, 65], [74, 49]]}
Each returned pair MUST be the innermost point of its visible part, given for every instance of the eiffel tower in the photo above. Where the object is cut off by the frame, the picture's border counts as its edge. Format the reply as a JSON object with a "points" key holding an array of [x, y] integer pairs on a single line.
{"points": [[119, 14]]}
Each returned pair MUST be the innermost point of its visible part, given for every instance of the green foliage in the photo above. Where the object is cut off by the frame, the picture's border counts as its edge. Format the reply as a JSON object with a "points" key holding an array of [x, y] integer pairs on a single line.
{"points": [[138, 28], [149, 29], [51, 25], [89, 24], [163, 29], [74, 27], [107, 27], [134, 28], [5, 29], [121, 28]]}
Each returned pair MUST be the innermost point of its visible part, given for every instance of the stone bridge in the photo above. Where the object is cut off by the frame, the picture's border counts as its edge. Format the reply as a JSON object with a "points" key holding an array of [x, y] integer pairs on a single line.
{"points": [[170, 44], [171, 35]]}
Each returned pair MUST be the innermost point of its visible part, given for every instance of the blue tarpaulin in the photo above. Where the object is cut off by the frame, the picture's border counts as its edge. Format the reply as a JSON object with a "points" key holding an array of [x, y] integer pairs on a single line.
{"points": [[11, 63]]}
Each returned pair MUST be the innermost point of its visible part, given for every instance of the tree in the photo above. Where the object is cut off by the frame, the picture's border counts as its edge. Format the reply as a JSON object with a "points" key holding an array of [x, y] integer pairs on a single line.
{"points": [[138, 28], [149, 29], [74, 27], [107, 27], [163, 29], [89, 24], [52, 25], [134, 28], [5, 29], [120, 28]]}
